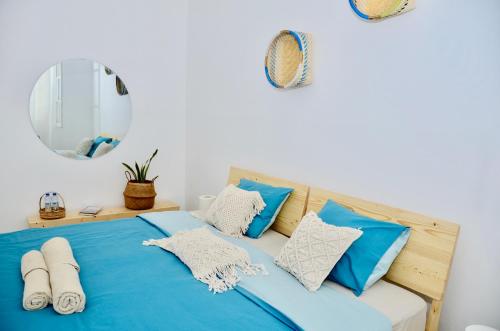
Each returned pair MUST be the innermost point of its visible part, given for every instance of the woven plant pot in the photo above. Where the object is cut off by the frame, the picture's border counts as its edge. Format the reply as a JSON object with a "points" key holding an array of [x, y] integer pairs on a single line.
{"points": [[288, 61], [139, 196]]}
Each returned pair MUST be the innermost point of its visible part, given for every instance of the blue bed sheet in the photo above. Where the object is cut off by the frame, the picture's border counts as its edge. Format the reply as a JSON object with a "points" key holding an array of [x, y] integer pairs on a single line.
{"points": [[128, 286], [323, 310]]}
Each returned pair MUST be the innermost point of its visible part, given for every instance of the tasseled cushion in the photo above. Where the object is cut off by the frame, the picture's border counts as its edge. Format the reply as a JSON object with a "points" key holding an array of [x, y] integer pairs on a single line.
{"points": [[234, 209]]}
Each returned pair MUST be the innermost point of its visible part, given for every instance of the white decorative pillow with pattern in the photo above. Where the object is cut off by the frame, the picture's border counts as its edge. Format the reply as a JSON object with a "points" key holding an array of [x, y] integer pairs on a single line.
{"points": [[234, 209], [102, 149], [84, 146], [313, 250]]}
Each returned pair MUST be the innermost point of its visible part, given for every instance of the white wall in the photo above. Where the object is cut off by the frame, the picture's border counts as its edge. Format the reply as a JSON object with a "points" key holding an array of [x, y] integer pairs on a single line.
{"points": [[404, 112], [145, 44]]}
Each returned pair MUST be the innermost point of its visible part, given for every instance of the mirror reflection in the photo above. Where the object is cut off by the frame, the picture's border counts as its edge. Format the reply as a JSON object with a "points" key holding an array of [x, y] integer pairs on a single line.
{"points": [[80, 109]]}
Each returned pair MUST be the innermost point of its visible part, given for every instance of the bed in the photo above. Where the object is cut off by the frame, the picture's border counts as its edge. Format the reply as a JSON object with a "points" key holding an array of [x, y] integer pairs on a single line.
{"points": [[406, 310], [422, 267], [133, 287]]}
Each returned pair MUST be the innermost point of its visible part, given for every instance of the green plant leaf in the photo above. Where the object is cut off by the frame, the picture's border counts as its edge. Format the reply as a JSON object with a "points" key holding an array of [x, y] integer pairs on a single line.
{"points": [[143, 172], [146, 170], [139, 175], [130, 169], [152, 156], [148, 163]]}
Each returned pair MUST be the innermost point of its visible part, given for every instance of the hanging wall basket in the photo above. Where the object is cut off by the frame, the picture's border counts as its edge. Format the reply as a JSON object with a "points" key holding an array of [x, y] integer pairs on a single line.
{"points": [[288, 60], [380, 9]]}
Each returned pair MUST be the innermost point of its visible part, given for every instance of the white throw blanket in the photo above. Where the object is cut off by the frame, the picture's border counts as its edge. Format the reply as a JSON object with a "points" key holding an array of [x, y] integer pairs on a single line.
{"points": [[37, 293], [67, 293], [212, 260]]}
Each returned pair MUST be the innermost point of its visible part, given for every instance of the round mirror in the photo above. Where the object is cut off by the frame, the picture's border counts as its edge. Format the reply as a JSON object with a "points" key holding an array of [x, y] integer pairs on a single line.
{"points": [[80, 109]]}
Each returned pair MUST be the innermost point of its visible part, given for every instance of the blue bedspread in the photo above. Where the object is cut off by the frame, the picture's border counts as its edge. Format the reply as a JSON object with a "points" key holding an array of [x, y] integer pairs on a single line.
{"points": [[325, 309], [128, 286]]}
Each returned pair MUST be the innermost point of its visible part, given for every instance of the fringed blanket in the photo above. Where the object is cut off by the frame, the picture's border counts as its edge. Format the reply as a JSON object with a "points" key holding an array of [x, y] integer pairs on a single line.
{"points": [[211, 259]]}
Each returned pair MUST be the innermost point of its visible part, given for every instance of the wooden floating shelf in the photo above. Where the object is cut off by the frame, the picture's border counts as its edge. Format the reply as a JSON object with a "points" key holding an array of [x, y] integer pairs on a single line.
{"points": [[106, 214]]}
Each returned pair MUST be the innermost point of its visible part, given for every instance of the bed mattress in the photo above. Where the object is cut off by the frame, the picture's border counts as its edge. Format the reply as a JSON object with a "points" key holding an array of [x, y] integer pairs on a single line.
{"points": [[406, 310]]}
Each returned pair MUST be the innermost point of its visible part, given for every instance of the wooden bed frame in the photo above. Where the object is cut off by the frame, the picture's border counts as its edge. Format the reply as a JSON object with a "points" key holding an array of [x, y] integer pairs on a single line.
{"points": [[422, 266]]}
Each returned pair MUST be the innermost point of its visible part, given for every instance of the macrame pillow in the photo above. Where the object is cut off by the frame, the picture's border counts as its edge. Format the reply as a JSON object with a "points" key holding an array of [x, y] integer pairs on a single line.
{"points": [[102, 149], [313, 250], [84, 146], [234, 209]]}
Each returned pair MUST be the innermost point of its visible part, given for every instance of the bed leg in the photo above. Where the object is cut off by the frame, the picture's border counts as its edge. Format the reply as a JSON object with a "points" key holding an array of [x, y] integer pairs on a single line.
{"points": [[433, 316]]}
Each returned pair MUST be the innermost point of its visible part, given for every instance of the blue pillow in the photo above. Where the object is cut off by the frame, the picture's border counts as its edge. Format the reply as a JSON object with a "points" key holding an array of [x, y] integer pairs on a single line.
{"points": [[385, 262], [97, 141], [115, 143], [370, 257], [274, 197]]}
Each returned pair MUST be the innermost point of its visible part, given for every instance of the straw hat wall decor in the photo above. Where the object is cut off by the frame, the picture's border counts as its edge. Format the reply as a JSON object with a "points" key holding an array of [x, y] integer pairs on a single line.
{"points": [[380, 9], [288, 60]]}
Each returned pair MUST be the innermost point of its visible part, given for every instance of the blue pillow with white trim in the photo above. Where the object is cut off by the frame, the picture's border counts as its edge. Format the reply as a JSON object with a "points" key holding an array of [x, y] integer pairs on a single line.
{"points": [[274, 197], [370, 257], [97, 141], [115, 142]]}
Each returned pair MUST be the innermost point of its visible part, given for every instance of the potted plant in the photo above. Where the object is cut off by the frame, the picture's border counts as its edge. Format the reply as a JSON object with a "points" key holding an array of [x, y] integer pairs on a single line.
{"points": [[140, 192]]}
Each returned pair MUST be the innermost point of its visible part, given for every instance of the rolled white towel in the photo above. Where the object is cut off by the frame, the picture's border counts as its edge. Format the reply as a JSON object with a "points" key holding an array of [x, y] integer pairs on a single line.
{"points": [[67, 292], [37, 293]]}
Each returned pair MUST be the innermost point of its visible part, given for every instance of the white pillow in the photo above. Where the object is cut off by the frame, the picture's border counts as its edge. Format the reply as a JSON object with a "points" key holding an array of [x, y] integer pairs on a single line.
{"points": [[83, 148], [102, 149], [234, 209], [313, 250]]}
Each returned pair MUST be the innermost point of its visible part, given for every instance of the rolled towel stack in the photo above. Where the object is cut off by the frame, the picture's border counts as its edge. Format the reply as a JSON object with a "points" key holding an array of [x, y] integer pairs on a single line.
{"points": [[37, 293], [67, 292]]}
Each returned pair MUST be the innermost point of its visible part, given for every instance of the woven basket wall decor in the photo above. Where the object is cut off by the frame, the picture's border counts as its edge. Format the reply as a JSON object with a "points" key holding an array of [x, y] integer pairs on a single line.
{"points": [[380, 9], [289, 60]]}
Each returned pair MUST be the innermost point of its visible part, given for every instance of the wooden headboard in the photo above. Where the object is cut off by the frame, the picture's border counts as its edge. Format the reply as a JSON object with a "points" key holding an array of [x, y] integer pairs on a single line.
{"points": [[424, 264], [294, 208]]}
